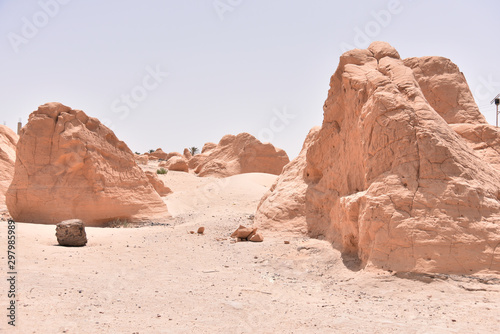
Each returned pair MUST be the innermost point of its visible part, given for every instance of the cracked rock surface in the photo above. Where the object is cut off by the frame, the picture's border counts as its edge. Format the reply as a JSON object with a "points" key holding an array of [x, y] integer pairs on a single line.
{"points": [[392, 177]]}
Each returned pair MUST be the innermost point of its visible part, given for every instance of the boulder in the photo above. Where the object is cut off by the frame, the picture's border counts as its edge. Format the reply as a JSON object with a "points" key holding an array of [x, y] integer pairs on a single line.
{"points": [[71, 233], [70, 165], [187, 154], [175, 163], [158, 184], [237, 155], [173, 154], [283, 206], [8, 142], [159, 154], [390, 182]]}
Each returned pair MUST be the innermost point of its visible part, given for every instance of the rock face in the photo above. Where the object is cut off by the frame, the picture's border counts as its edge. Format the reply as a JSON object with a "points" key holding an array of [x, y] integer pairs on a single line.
{"points": [[446, 90], [175, 163], [158, 184], [237, 155], [283, 206], [484, 139], [389, 181], [71, 233], [208, 147], [70, 166], [8, 142], [142, 159]]}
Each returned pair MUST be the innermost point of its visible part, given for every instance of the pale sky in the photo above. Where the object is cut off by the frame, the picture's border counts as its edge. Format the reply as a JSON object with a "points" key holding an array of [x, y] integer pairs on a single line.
{"points": [[175, 74]]}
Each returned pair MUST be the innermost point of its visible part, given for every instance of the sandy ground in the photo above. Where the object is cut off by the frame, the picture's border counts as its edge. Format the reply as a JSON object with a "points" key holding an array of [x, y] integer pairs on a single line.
{"points": [[162, 279]]}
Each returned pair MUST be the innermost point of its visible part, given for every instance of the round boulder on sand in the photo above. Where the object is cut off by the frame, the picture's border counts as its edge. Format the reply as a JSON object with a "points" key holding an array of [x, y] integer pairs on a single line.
{"points": [[176, 163], [71, 233]]}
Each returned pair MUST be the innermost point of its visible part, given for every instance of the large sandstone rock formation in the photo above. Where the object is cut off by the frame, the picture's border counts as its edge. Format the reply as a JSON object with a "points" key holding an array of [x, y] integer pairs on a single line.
{"points": [[8, 142], [70, 166], [390, 181], [446, 90], [283, 206], [237, 155]]}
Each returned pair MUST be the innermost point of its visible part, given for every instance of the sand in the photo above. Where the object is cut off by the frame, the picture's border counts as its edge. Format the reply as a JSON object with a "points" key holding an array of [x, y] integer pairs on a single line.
{"points": [[162, 279]]}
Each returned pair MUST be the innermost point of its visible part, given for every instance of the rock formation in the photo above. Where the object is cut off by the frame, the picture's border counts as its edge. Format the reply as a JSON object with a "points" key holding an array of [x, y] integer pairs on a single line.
{"points": [[159, 154], [484, 139], [158, 184], [70, 166], [142, 159], [237, 155], [8, 142], [208, 147], [388, 179], [283, 206], [446, 90], [175, 163], [187, 154]]}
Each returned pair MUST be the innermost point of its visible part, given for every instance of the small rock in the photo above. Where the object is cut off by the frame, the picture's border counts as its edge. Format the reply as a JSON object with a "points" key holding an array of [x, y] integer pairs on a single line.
{"points": [[192, 232], [243, 232], [71, 233], [257, 237], [201, 230], [287, 242]]}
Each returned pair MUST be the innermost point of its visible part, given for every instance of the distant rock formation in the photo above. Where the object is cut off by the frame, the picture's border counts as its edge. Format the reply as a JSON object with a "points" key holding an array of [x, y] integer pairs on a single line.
{"points": [[71, 166], [159, 154], [175, 163], [283, 206], [389, 181], [208, 147], [8, 142], [237, 155], [187, 154]]}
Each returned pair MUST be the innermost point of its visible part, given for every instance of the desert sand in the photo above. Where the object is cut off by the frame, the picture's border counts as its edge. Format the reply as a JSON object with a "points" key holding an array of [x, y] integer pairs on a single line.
{"points": [[159, 278]]}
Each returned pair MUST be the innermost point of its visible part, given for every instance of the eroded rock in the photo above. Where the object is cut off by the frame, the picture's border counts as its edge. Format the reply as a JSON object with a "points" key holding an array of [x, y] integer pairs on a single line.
{"points": [[70, 165]]}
